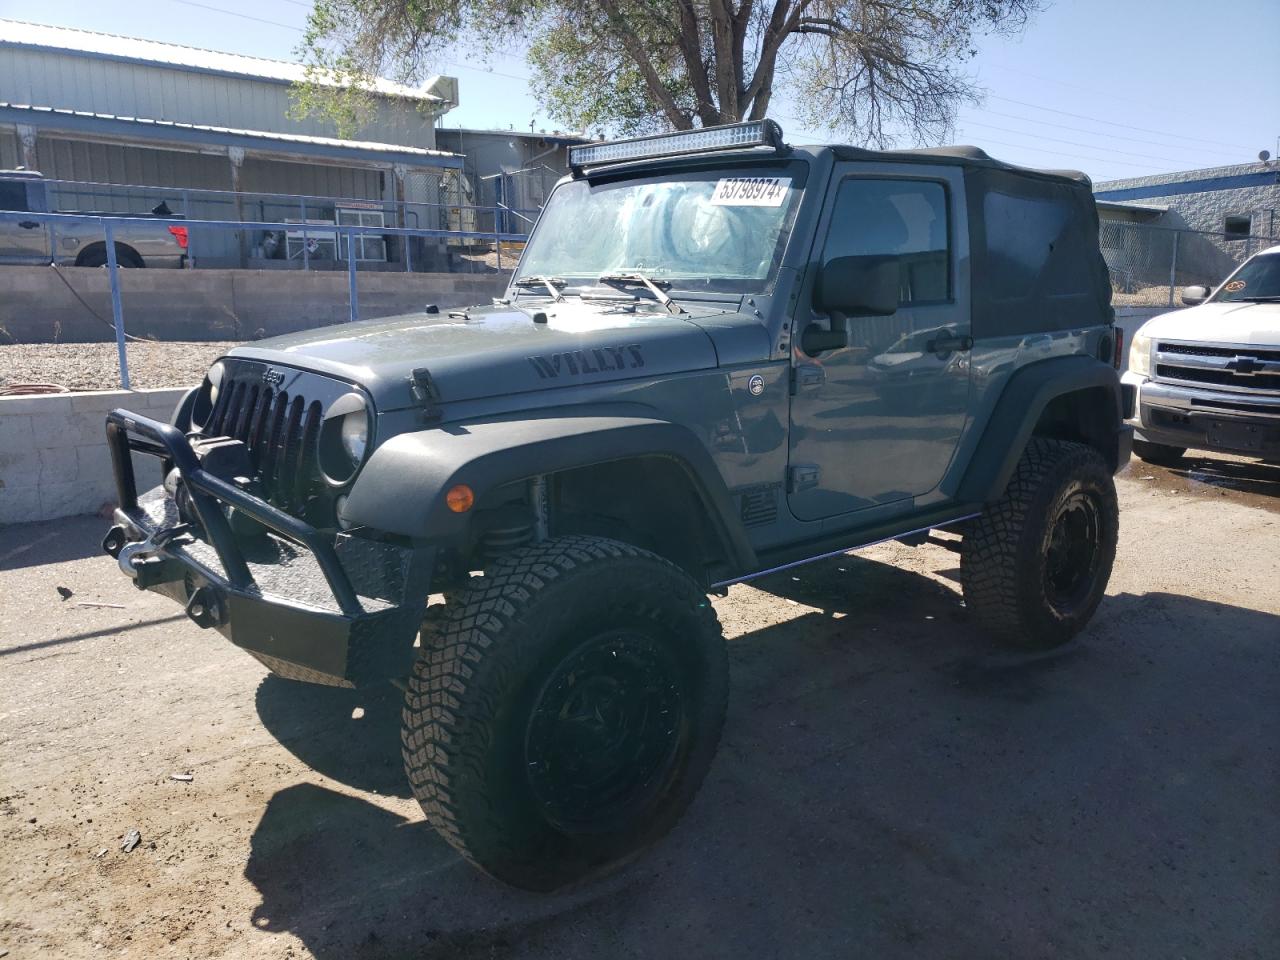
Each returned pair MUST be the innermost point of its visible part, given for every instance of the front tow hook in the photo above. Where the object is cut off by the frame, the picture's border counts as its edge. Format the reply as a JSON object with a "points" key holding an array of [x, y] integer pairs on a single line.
{"points": [[140, 562]]}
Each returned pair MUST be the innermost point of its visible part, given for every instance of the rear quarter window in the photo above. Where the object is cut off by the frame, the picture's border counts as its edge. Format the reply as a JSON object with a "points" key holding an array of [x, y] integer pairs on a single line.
{"points": [[13, 195], [1024, 235]]}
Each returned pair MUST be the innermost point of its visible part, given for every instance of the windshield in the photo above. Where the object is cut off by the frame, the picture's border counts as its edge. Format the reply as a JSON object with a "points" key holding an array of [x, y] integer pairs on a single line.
{"points": [[718, 230], [1258, 279]]}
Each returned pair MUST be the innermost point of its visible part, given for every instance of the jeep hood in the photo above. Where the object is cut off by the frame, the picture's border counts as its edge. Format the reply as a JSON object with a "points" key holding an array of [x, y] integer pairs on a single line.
{"points": [[1252, 324], [492, 351]]}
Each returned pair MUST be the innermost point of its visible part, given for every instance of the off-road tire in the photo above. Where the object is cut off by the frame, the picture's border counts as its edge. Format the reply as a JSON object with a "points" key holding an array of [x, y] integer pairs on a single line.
{"points": [[1159, 454], [470, 704], [1005, 555]]}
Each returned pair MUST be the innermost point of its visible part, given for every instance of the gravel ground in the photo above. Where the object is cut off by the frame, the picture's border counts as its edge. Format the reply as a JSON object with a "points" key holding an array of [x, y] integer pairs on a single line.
{"points": [[94, 366], [889, 785]]}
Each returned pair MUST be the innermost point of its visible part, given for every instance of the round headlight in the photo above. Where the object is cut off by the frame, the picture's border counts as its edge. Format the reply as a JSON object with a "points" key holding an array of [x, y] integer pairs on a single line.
{"points": [[344, 437], [214, 376], [355, 435]]}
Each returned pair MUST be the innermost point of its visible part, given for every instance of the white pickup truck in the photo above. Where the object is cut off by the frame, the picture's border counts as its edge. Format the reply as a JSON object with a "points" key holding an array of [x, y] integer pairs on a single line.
{"points": [[1209, 377], [79, 243]]}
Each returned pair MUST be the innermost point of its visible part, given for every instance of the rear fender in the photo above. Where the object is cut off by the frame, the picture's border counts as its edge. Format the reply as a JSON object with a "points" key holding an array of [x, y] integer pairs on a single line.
{"points": [[1020, 408]]}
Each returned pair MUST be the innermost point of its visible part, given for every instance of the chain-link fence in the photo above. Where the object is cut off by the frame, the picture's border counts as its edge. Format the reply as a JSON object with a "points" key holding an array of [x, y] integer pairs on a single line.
{"points": [[1149, 264]]}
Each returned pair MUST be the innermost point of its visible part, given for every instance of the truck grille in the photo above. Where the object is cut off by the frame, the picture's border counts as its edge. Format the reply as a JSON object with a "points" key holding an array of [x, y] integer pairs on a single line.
{"points": [[1243, 369], [282, 434]]}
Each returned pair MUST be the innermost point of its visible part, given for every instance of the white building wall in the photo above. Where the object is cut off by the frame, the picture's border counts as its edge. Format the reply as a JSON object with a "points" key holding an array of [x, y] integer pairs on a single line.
{"points": [[159, 92]]}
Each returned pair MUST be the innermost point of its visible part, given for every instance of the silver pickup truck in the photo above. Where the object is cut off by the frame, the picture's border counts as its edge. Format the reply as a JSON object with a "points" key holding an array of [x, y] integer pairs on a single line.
{"points": [[78, 243]]}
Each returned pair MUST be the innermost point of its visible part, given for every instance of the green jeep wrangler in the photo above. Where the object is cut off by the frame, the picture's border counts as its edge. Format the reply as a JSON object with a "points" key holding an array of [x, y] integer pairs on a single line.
{"points": [[720, 356]]}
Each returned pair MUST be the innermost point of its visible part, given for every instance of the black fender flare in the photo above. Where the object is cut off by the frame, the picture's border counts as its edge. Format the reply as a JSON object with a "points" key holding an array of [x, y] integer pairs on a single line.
{"points": [[402, 487], [1018, 409]]}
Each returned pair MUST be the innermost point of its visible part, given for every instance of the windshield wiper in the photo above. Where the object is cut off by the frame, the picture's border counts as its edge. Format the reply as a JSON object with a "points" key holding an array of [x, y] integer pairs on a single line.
{"points": [[634, 279], [1257, 299], [552, 285]]}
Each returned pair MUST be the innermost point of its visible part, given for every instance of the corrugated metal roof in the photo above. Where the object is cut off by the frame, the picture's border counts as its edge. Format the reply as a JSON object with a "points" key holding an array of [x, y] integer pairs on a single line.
{"points": [[50, 117], [41, 36]]}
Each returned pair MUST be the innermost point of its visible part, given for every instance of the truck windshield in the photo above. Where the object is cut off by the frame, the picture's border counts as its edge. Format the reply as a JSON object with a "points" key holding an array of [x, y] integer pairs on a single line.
{"points": [[718, 230], [1257, 280]]}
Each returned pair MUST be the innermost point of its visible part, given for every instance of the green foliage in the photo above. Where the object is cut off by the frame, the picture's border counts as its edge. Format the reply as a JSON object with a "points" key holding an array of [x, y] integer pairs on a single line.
{"points": [[872, 69]]}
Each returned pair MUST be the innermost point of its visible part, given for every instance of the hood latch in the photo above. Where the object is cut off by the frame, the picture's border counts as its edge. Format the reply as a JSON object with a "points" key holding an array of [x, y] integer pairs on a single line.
{"points": [[425, 393]]}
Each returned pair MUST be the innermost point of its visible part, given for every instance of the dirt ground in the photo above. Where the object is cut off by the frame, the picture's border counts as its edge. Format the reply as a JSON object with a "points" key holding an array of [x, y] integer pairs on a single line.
{"points": [[888, 786], [96, 366]]}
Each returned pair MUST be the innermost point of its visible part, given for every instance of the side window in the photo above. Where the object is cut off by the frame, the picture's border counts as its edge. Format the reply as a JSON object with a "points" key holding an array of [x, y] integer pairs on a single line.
{"points": [[905, 218], [13, 195]]}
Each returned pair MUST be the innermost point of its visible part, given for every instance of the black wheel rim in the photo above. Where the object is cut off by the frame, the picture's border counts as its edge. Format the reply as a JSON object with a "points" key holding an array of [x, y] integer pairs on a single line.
{"points": [[1075, 547], [605, 733]]}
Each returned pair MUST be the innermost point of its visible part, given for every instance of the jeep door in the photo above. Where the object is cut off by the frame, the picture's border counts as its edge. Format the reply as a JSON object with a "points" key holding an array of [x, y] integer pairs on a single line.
{"points": [[877, 421], [21, 240]]}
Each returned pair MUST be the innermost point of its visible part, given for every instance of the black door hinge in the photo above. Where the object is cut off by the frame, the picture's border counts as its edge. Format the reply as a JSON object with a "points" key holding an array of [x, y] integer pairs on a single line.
{"points": [[802, 476]]}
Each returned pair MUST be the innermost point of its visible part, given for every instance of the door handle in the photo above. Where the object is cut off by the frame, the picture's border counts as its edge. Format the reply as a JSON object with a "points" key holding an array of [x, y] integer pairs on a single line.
{"points": [[28, 224], [947, 342]]}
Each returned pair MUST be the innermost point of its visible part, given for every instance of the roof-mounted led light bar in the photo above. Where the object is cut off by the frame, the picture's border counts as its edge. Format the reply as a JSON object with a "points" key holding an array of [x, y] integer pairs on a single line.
{"points": [[730, 136]]}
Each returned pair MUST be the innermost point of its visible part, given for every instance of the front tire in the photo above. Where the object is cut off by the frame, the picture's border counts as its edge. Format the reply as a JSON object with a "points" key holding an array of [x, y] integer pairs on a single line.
{"points": [[1035, 565], [566, 714]]}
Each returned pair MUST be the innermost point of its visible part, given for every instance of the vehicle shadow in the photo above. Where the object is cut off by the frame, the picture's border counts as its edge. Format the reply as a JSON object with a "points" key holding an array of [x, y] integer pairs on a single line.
{"points": [[351, 736], [51, 541], [888, 785], [1206, 474], [1244, 476]]}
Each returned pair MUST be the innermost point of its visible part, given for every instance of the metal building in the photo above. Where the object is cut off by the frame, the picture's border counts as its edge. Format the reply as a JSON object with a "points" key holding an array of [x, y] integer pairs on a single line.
{"points": [[1194, 226], [511, 170], [98, 108]]}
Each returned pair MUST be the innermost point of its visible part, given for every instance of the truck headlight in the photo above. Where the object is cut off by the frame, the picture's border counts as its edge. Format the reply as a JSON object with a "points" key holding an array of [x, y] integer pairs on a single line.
{"points": [[1140, 355]]}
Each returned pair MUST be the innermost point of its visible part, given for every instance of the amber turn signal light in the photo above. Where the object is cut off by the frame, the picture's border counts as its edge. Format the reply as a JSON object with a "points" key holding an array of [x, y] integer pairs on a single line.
{"points": [[460, 498]]}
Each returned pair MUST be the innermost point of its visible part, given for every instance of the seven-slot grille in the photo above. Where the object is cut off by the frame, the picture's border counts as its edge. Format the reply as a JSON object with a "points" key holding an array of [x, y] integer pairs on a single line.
{"points": [[282, 434], [1248, 369]]}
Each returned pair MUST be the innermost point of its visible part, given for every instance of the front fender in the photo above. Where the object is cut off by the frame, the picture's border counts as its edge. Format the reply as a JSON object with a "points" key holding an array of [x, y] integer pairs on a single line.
{"points": [[402, 488]]}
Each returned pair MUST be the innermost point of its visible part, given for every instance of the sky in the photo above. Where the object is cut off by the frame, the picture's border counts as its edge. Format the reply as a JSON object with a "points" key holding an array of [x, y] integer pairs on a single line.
{"points": [[1117, 88]]}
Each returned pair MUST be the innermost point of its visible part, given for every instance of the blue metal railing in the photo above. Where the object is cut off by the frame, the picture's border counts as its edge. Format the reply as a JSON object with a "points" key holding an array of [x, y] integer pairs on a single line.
{"points": [[281, 206]]}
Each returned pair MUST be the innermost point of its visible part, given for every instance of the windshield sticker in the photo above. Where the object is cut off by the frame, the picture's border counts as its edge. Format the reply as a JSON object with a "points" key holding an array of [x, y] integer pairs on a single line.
{"points": [[1234, 285], [751, 191]]}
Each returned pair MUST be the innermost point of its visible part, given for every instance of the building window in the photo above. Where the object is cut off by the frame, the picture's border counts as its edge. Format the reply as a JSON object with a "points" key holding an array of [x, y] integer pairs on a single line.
{"points": [[1236, 227]]}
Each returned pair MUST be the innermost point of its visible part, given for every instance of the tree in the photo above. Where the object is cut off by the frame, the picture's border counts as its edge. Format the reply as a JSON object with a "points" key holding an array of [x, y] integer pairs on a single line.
{"points": [[873, 69]]}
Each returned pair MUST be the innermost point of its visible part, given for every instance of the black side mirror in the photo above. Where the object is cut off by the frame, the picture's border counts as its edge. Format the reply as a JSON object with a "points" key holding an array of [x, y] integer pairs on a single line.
{"points": [[1194, 295], [858, 286]]}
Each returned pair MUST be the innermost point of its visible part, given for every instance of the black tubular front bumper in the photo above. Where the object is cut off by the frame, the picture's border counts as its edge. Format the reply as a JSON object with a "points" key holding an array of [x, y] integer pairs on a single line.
{"points": [[337, 609]]}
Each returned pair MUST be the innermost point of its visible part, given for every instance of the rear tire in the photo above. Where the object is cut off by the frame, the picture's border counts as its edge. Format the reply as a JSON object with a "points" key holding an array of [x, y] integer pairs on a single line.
{"points": [[97, 257], [1159, 454], [567, 712], [1035, 565]]}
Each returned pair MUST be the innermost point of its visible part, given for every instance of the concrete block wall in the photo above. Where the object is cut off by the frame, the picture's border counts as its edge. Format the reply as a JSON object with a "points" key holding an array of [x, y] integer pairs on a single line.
{"points": [[38, 307], [54, 460]]}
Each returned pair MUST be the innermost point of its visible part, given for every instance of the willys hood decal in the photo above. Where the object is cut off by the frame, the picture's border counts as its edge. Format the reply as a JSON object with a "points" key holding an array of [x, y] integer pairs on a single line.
{"points": [[491, 351]]}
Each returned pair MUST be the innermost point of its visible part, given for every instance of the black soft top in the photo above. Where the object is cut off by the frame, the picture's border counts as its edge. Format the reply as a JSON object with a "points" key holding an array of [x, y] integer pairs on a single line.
{"points": [[960, 155], [1033, 242]]}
